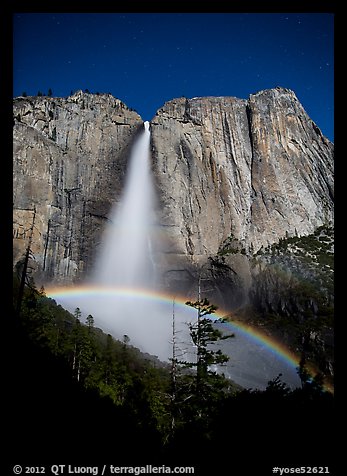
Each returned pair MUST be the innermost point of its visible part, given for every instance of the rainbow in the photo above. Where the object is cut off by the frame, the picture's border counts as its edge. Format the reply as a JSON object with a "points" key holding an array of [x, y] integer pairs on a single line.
{"points": [[250, 332]]}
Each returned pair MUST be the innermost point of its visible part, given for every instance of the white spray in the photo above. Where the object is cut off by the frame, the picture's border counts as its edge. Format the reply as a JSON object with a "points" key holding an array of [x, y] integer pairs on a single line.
{"points": [[125, 274], [126, 264], [126, 256]]}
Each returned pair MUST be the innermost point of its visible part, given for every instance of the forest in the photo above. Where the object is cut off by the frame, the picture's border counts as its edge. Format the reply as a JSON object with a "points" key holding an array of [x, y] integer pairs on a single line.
{"points": [[74, 390]]}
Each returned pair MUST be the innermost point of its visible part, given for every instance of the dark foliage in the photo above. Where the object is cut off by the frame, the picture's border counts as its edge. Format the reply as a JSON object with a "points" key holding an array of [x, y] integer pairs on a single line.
{"points": [[72, 391]]}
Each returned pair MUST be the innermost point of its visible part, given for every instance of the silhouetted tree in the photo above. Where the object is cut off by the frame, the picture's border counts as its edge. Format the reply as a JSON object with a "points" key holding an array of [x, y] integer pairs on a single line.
{"points": [[24, 272], [209, 385], [90, 322], [77, 313], [203, 333]]}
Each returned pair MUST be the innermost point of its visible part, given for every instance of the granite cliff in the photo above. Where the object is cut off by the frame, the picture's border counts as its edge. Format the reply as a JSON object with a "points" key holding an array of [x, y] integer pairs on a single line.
{"points": [[237, 175], [70, 158], [240, 185], [231, 174]]}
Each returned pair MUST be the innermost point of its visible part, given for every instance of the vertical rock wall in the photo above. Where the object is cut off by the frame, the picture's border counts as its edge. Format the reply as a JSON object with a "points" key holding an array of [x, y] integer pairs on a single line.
{"points": [[237, 173], [70, 158], [230, 174]]}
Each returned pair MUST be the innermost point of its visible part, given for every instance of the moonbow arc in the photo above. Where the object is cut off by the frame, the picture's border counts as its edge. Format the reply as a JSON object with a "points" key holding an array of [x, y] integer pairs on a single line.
{"points": [[253, 334]]}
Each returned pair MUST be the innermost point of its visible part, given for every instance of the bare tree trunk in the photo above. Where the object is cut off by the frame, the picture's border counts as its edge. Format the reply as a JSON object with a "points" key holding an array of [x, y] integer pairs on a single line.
{"points": [[79, 368], [74, 357], [173, 372], [25, 267]]}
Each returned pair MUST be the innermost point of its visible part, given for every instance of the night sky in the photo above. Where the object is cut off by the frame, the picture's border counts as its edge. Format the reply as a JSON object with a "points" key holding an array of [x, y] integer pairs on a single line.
{"points": [[145, 59]]}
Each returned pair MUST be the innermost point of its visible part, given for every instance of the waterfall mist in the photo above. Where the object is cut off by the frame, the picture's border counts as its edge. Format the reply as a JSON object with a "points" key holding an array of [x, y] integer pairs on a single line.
{"points": [[126, 256], [123, 292], [126, 263]]}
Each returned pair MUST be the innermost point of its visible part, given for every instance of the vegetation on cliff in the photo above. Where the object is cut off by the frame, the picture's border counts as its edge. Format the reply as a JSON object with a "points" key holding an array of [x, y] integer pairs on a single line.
{"points": [[292, 295]]}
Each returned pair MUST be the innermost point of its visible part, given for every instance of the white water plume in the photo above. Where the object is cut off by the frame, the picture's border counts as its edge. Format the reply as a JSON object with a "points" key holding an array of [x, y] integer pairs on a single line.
{"points": [[122, 294], [126, 255], [126, 262]]}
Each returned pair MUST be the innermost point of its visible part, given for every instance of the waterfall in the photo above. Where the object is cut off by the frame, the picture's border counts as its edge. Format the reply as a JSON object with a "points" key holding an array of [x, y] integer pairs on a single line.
{"points": [[125, 271], [126, 255], [123, 297]]}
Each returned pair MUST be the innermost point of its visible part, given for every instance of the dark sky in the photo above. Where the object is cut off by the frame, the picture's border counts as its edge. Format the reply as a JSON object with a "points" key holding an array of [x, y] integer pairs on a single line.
{"points": [[145, 59]]}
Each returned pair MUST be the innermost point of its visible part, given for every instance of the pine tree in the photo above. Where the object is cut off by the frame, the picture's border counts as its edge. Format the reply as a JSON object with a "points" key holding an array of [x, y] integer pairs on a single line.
{"points": [[126, 339], [90, 323], [209, 385], [77, 313], [204, 333]]}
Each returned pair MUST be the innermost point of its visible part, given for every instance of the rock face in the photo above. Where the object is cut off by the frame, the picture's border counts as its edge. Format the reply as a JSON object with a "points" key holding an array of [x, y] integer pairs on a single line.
{"points": [[241, 185], [231, 174], [69, 163], [239, 174], [257, 169]]}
